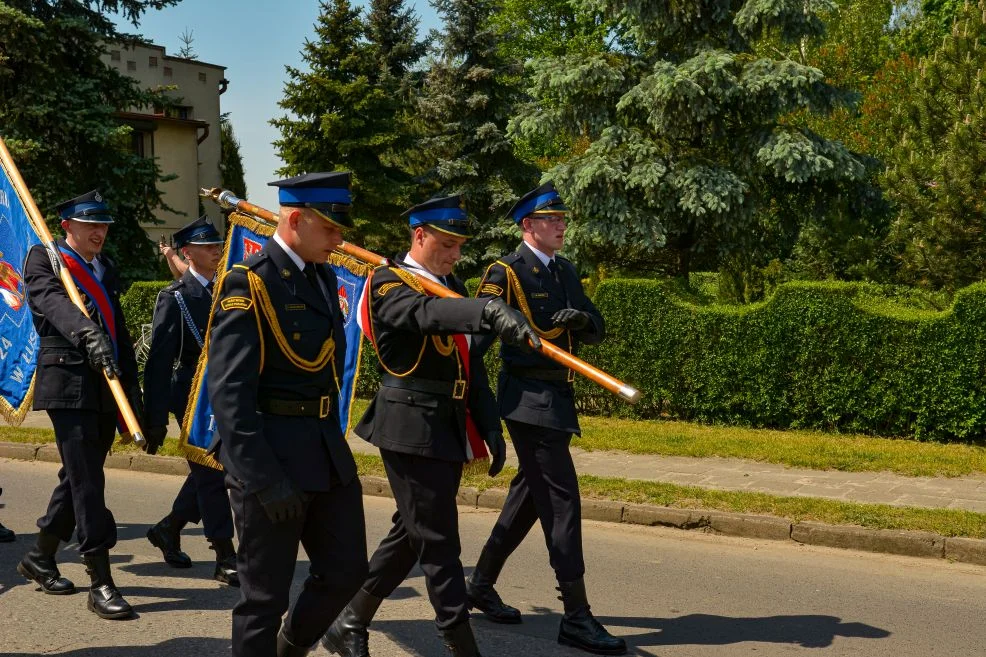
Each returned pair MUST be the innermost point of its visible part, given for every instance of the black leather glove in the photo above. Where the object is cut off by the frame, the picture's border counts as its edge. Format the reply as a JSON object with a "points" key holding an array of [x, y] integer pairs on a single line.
{"points": [[282, 501], [570, 318], [99, 350], [498, 453], [510, 325], [155, 438]]}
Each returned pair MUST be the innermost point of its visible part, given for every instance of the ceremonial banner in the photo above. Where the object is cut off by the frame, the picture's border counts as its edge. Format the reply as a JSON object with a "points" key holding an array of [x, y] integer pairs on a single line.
{"points": [[18, 340], [352, 275], [246, 236]]}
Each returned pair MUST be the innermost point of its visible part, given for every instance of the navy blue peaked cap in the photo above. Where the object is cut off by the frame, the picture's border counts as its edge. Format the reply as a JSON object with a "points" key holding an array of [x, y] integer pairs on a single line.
{"points": [[326, 193], [89, 208], [544, 199], [444, 213], [200, 231]]}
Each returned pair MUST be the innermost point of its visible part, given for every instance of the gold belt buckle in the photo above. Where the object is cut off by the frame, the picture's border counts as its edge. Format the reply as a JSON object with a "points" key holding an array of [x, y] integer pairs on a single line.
{"points": [[459, 390], [324, 406]]}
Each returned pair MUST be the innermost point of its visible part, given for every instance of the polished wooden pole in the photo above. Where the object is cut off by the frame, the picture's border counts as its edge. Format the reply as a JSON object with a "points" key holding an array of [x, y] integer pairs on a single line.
{"points": [[41, 229], [228, 200]]}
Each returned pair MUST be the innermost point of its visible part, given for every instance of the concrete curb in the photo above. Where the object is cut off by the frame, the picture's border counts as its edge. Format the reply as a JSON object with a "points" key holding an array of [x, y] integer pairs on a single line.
{"points": [[850, 537]]}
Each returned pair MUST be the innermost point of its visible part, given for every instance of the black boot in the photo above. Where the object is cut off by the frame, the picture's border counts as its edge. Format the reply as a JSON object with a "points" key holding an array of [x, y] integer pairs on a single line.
{"points": [[347, 636], [6, 535], [39, 566], [460, 641], [287, 649], [579, 628], [166, 536], [104, 599], [482, 595], [225, 561]]}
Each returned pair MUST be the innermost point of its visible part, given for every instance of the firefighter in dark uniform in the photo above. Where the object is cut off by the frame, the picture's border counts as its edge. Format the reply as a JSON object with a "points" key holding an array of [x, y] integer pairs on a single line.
{"points": [[536, 399], [180, 320], [276, 351], [71, 387], [418, 419]]}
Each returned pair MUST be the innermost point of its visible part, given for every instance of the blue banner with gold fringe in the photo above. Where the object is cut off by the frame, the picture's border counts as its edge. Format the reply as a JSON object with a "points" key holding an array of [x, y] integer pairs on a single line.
{"points": [[18, 340], [246, 236]]}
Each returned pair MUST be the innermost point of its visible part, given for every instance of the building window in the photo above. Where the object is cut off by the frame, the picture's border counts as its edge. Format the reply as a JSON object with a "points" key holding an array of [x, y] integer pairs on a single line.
{"points": [[131, 65], [114, 55], [152, 62], [168, 72], [137, 142], [202, 77]]}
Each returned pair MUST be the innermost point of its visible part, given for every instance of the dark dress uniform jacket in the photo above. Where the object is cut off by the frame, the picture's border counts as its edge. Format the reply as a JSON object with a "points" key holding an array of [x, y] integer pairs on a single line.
{"points": [[532, 289], [174, 352], [413, 336], [248, 364], [64, 378]]}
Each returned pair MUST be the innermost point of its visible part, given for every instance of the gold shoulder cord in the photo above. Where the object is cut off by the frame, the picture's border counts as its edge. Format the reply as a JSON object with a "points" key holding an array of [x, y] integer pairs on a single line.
{"points": [[514, 282], [256, 316], [412, 282], [325, 354]]}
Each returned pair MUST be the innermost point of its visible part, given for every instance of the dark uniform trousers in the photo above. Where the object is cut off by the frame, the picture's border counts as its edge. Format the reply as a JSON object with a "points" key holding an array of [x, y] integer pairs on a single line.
{"points": [[78, 401], [422, 435], [252, 365], [202, 497], [540, 412]]}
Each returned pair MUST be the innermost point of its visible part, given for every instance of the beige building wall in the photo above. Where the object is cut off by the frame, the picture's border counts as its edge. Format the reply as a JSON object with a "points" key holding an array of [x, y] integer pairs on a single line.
{"points": [[186, 140]]}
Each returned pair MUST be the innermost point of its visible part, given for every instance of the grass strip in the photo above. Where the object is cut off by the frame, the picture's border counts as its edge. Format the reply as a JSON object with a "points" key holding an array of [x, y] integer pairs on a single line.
{"points": [[796, 449], [946, 522]]}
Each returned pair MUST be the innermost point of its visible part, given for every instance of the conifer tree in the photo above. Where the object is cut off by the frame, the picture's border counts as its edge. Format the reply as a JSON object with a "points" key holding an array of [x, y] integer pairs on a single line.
{"points": [[687, 143], [231, 162], [462, 113], [58, 105], [347, 111], [937, 174]]}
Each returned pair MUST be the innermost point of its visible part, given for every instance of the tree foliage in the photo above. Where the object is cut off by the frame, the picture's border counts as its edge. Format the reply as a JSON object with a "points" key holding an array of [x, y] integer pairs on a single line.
{"points": [[346, 111], [58, 102], [230, 161], [937, 172], [688, 143]]}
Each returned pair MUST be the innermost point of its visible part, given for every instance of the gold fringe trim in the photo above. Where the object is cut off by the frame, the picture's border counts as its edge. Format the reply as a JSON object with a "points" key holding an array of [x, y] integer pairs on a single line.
{"points": [[357, 267], [15, 416], [191, 452]]}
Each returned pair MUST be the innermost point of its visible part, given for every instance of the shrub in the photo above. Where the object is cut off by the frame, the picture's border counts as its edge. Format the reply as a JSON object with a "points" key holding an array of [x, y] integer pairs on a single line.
{"points": [[830, 356], [138, 304]]}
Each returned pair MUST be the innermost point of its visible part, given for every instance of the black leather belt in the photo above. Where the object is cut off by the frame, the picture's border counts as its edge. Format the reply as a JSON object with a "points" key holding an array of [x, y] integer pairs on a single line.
{"points": [[56, 341], [320, 408], [454, 389], [541, 373]]}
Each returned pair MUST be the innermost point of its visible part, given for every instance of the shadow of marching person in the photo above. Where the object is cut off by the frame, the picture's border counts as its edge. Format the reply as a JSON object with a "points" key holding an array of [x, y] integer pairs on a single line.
{"points": [[177, 647]]}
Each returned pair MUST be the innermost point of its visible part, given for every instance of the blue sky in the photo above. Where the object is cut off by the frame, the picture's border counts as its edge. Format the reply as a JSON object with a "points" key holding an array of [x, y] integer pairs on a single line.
{"points": [[254, 40]]}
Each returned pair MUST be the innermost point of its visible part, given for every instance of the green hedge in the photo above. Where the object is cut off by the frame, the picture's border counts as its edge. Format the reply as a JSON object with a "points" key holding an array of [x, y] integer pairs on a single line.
{"points": [[830, 356], [138, 304]]}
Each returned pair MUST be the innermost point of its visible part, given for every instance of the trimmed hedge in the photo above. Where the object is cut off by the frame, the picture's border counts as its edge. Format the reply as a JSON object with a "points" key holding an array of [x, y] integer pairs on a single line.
{"points": [[138, 304], [830, 356]]}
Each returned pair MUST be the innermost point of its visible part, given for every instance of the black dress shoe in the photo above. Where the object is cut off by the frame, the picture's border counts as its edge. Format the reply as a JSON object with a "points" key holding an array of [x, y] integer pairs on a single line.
{"points": [[105, 600], [460, 641], [580, 629], [166, 537], [483, 596], [348, 636], [7, 535], [39, 566], [226, 572]]}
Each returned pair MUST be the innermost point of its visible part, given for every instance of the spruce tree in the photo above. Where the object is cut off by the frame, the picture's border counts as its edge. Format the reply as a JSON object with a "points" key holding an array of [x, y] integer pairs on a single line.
{"points": [[58, 104], [462, 112], [347, 110], [689, 155], [937, 173], [231, 162]]}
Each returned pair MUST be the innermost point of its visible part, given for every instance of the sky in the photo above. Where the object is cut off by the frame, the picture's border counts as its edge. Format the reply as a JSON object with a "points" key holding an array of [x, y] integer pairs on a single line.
{"points": [[254, 40]]}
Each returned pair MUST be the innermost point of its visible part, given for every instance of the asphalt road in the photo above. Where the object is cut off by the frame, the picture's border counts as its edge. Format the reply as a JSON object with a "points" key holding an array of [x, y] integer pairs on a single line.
{"points": [[670, 593]]}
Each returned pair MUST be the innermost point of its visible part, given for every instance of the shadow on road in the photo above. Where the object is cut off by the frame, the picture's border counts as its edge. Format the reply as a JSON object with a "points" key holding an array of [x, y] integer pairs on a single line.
{"points": [[179, 647], [806, 631]]}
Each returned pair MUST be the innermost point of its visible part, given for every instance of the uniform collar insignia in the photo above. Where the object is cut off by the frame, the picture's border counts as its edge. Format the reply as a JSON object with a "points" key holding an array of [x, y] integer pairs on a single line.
{"points": [[285, 273]]}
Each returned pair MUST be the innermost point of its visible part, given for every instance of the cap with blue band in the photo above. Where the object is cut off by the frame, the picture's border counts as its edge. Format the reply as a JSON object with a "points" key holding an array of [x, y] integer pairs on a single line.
{"points": [[545, 199], [200, 231], [88, 208], [445, 214], [327, 193]]}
